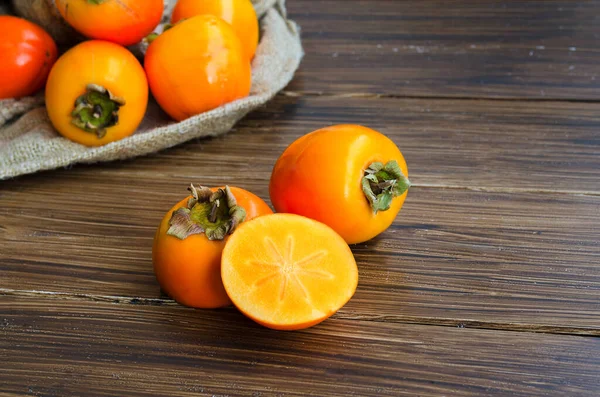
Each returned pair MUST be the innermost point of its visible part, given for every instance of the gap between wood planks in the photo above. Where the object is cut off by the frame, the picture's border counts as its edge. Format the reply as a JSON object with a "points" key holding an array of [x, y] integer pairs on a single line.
{"points": [[367, 95], [400, 319], [433, 321], [371, 96], [505, 189]]}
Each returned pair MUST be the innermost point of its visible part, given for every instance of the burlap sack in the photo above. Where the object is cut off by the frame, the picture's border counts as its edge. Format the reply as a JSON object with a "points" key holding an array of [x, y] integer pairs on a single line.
{"points": [[30, 143]]}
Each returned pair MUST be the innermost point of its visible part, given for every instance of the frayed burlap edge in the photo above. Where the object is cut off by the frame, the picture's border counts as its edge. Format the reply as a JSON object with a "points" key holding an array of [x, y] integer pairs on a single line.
{"points": [[30, 143]]}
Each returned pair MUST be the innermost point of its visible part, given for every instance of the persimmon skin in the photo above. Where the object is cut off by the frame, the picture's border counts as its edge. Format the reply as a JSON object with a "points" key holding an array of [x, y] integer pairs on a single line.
{"points": [[239, 14], [108, 65], [27, 54], [124, 22], [196, 66], [319, 176], [189, 270]]}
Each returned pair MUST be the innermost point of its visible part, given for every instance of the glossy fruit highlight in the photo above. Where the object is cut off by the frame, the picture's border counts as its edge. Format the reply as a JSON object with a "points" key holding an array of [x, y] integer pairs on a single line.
{"points": [[349, 177], [196, 66], [239, 14]]}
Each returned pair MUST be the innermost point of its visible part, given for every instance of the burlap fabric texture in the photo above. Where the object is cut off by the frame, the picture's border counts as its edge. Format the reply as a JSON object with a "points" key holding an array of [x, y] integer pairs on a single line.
{"points": [[29, 143]]}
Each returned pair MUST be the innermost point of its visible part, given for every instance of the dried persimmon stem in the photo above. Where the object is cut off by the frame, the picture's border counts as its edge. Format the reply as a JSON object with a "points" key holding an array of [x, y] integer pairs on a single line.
{"points": [[382, 183], [215, 214]]}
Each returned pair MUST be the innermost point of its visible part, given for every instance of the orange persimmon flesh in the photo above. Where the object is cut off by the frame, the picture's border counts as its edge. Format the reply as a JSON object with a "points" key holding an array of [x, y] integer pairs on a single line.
{"points": [[288, 272]]}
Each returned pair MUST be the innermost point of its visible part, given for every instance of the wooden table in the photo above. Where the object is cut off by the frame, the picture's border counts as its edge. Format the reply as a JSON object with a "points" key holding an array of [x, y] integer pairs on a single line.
{"points": [[488, 283]]}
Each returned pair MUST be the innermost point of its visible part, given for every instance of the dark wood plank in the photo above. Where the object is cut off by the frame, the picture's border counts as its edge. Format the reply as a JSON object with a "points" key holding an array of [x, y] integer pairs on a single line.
{"points": [[477, 144], [518, 49], [453, 256], [494, 258], [62, 347], [506, 146]]}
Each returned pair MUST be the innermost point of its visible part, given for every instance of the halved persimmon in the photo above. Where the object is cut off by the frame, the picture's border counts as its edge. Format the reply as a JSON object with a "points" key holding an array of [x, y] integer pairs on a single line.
{"points": [[288, 272]]}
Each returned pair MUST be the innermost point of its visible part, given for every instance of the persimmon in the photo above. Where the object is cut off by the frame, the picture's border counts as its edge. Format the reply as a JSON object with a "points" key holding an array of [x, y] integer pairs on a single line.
{"points": [[288, 272], [197, 65], [124, 22], [190, 239], [96, 93], [239, 14], [27, 54], [350, 177]]}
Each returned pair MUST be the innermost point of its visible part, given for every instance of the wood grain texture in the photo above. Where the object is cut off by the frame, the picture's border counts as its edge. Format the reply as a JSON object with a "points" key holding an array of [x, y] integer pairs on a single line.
{"points": [[481, 259], [500, 232], [518, 49], [499, 250], [501, 146], [54, 347]]}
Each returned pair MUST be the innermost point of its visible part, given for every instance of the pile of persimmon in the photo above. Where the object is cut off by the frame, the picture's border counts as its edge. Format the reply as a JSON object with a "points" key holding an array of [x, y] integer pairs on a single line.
{"points": [[97, 92], [219, 246], [336, 186]]}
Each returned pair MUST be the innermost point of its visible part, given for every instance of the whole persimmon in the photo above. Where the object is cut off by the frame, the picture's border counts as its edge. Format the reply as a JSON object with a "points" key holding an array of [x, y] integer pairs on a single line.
{"points": [[196, 66], [190, 239], [352, 178], [124, 22], [239, 14], [96, 93], [27, 54]]}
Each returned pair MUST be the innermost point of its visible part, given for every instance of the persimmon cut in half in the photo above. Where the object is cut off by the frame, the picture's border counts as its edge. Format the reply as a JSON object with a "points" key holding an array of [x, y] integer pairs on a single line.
{"points": [[288, 272]]}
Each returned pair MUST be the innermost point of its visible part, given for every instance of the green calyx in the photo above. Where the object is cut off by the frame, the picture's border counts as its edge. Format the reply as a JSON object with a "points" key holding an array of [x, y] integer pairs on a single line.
{"points": [[96, 2], [153, 36], [96, 110], [381, 183], [216, 214]]}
